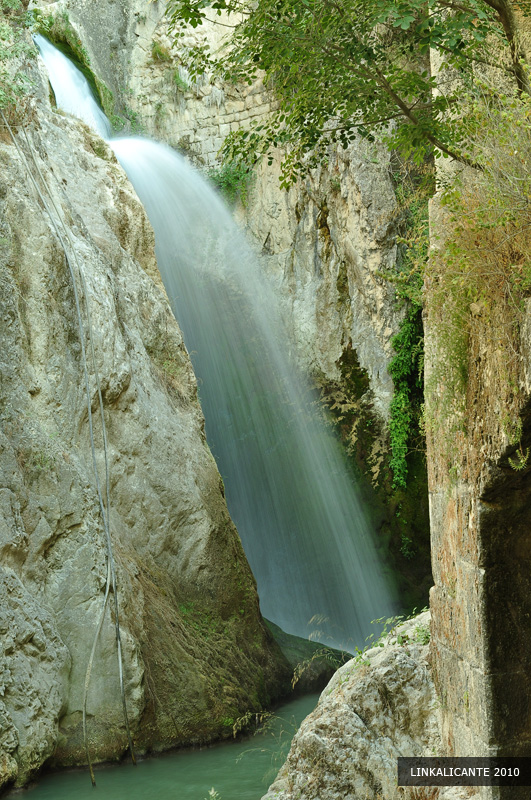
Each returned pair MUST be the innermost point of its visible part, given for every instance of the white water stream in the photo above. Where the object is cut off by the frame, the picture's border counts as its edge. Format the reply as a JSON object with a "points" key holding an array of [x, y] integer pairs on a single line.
{"points": [[287, 484]]}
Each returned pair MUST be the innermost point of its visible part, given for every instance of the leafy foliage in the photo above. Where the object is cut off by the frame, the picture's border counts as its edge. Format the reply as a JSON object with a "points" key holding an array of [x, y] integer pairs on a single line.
{"points": [[407, 366], [339, 68], [232, 179]]}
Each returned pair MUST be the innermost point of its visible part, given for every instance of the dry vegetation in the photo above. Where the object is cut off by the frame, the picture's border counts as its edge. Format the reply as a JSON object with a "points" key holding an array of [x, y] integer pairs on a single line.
{"points": [[480, 278]]}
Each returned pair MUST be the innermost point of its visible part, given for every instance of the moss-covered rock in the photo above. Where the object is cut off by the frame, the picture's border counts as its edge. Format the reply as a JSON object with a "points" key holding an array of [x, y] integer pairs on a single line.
{"points": [[58, 29], [399, 515], [313, 664]]}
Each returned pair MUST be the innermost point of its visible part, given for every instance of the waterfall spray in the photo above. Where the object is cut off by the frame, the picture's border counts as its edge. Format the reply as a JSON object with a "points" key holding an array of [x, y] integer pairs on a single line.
{"points": [[287, 484]]}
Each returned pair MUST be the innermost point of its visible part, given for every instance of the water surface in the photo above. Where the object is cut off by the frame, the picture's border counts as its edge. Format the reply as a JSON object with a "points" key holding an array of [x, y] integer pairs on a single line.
{"points": [[241, 770]]}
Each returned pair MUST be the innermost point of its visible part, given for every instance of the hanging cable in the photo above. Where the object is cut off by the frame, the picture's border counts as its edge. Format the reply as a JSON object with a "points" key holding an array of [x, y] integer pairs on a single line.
{"points": [[105, 511], [106, 460]]}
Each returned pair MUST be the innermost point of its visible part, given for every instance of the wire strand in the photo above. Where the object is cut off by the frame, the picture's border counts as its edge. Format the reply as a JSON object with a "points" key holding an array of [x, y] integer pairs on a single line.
{"points": [[105, 511]]}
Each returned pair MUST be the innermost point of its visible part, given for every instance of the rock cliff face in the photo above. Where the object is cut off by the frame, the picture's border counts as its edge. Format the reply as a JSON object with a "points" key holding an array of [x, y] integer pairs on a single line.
{"points": [[375, 708], [196, 654], [186, 594], [326, 244]]}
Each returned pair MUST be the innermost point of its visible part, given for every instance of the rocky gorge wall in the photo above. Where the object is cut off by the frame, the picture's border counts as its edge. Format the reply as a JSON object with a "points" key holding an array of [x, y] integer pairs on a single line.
{"points": [[325, 244], [196, 653], [328, 244]]}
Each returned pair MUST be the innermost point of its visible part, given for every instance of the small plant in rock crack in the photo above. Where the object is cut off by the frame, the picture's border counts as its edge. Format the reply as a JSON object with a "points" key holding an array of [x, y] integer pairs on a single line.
{"points": [[233, 180], [389, 635], [160, 52]]}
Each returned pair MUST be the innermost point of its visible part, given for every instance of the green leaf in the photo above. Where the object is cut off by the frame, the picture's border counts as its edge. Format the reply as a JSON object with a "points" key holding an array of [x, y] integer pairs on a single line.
{"points": [[360, 63]]}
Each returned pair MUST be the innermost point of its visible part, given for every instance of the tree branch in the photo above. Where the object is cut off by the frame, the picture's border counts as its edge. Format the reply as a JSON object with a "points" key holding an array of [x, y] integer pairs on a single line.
{"points": [[510, 26]]}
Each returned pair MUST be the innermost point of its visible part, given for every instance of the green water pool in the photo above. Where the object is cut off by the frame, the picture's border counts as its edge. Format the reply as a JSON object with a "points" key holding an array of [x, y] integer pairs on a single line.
{"points": [[240, 770]]}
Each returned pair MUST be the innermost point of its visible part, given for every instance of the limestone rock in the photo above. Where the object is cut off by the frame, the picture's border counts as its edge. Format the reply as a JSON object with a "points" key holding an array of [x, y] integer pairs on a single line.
{"points": [[195, 650], [327, 244], [375, 708], [34, 666]]}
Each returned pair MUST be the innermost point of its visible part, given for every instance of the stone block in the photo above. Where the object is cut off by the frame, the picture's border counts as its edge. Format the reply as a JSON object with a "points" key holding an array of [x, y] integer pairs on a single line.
{"points": [[234, 106]]}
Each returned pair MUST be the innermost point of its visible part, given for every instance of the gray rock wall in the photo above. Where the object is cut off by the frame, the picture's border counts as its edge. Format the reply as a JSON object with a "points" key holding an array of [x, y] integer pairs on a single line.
{"points": [[195, 651], [326, 245]]}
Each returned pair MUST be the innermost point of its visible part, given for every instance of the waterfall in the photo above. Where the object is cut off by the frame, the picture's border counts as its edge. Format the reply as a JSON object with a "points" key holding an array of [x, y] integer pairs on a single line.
{"points": [[71, 88], [287, 484]]}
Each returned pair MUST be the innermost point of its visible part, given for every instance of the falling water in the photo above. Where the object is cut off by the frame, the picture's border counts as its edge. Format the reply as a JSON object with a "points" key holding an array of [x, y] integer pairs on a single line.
{"points": [[287, 484], [71, 89]]}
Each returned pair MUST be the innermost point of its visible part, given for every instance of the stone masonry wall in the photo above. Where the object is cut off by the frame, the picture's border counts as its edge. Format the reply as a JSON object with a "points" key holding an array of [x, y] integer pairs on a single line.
{"points": [[481, 544]]}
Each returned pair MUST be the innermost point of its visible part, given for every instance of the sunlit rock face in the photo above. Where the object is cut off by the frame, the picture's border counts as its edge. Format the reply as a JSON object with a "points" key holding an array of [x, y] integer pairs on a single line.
{"points": [[195, 650], [328, 243]]}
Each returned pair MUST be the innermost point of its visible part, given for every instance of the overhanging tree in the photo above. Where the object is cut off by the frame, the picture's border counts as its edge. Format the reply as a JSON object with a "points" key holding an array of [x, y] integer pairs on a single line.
{"points": [[340, 68]]}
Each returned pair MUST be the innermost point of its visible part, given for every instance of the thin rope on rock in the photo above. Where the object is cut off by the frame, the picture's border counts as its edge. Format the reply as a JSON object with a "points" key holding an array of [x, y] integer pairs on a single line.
{"points": [[106, 516], [105, 512]]}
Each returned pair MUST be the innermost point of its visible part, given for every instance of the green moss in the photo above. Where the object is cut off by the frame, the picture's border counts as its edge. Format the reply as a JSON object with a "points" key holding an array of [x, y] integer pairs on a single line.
{"points": [[128, 120], [14, 85], [202, 620], [100, 149], [397, 513], [106, 96], [58, 29], [201, 669], [172, 367], [343, 293]]}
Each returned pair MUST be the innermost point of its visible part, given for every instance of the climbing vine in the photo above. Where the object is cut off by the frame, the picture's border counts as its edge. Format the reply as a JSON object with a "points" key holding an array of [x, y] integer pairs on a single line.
{"points": [[406, 370], [407, 365]]}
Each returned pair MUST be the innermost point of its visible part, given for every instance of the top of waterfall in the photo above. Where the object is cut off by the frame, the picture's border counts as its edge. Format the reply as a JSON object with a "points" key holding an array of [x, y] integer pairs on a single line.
{"points": [[72, 90]]}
